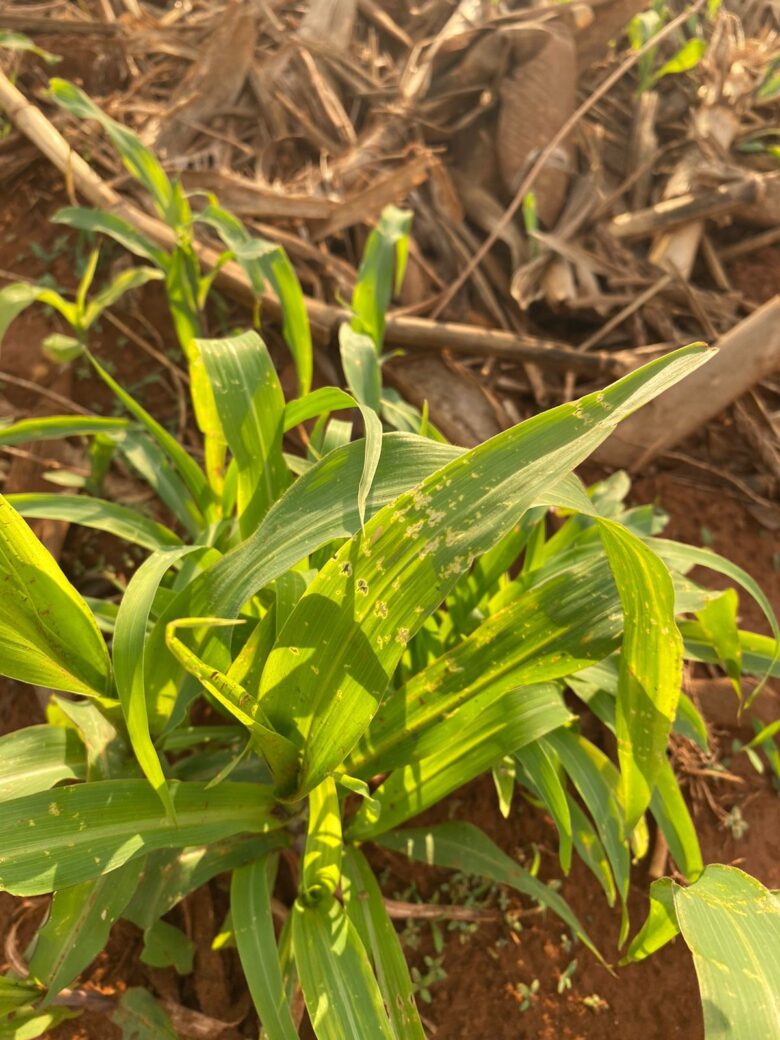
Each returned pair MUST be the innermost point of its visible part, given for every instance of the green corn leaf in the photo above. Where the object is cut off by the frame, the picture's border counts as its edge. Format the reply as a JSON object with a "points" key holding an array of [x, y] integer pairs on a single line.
{"points": [[251, 889], [463, 746], [381, 272], [400, 415], [16, 993], [280, 753], [361, 366], [659, 928], [19, 296], [464, 847], [760, 654], [597, 782], [51, 427], [16, 41], [48, 633], [680, 556], [62, 349], [718, 619], [289, 588], [590, 850], [540, 763], [189, 471], [130, 659], [360, 611], [98, 514], [687, 58], [171, 874], [148, 460], [366, 910], [319, 402], [340, 990], [55, 839], [504, 778], [100, 222], [263, 260], [326, 437], [320, 507], [671, 813], [731, 924], [108, 753], [182, 282], [667, 803], [322, 855], [250, 404], [690, 723], [140, 162], [650, 665], [248, 664], [550, 631], [27, 1025], [373, 449], [77, 927], [133, 278], [292, 988], [166, 946], [140, 1017], [38, 757]]}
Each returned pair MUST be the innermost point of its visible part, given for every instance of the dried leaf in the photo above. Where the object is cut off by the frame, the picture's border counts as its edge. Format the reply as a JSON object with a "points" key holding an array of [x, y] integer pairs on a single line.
{"points": [[531, 113], [212, 83]]}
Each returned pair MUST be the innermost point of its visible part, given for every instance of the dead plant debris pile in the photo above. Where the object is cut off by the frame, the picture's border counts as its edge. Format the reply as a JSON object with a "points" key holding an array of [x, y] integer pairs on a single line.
{"points": [[575, 213]]}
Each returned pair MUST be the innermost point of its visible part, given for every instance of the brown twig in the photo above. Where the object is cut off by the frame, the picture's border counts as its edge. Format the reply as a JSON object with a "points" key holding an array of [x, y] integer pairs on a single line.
{"points": [[52, 395], [682, 208], [400, 911]]}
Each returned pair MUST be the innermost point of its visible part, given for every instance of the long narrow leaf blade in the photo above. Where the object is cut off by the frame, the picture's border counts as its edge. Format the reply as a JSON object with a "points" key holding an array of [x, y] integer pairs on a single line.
{"points": [[47, 632], [51, 427], [250, 403], [38, 757], [76, 930], [366, 909], [54, 839], [650, 665], [459, 753], [250, 903], [130, 659], [97, 513], [341, 993], [731, 924]]}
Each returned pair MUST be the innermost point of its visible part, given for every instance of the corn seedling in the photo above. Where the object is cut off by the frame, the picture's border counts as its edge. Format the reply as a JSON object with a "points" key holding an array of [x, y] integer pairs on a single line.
{"points": [[647, 24], [369, 630]]}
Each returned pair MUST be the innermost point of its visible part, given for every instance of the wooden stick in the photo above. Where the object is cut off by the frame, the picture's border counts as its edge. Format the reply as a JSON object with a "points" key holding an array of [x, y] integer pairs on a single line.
{"points": [[510, 346], [690, 206], [416, 333], [747, 354], [676, 250], [61, 26]]}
